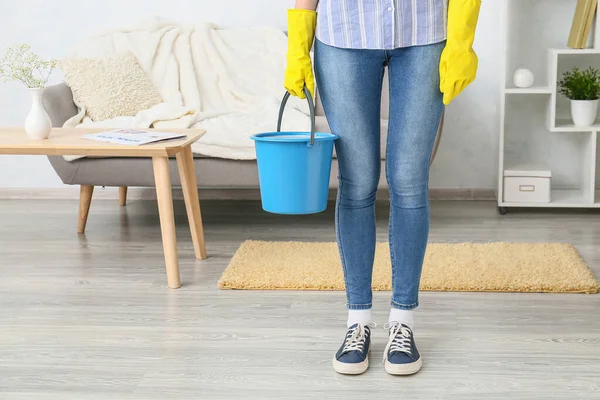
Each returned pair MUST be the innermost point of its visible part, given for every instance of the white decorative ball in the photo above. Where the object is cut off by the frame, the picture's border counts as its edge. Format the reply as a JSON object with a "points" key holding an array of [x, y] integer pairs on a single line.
{"points": [[523, 78]]}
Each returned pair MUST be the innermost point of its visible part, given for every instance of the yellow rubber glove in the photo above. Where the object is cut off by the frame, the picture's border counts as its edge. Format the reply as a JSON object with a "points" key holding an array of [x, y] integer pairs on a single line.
{"points": [[301, 34], [458, 64]]}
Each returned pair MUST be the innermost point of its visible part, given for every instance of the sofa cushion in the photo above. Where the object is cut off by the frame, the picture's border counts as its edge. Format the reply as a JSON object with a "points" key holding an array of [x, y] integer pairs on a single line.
{"points": [[111, 87]]}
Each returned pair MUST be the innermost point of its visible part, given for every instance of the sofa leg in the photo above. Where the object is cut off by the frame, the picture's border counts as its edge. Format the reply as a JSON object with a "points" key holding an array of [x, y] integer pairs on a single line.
{"points": [[122, 195], [85, 199]]}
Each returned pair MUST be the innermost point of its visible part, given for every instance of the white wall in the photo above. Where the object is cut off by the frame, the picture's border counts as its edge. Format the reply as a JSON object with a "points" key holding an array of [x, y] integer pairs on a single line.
{"points": [[467, 156]]}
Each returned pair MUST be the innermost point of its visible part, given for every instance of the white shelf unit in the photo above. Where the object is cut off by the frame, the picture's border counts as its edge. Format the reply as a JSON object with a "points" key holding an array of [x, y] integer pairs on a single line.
{"points": [[536, 127]]}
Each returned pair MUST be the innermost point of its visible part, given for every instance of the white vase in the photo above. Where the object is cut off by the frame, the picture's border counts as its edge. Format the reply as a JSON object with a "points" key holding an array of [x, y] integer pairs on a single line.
{"points": [[37, 123], [523, 78], [584, 112]]}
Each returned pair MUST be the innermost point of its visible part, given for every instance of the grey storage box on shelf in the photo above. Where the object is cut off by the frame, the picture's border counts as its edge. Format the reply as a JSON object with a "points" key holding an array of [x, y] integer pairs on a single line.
{"points": [[526, 185]]}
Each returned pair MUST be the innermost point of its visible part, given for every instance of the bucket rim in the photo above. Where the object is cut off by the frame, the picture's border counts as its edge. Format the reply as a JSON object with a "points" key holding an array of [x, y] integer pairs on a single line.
{"points": [[273, 137]]}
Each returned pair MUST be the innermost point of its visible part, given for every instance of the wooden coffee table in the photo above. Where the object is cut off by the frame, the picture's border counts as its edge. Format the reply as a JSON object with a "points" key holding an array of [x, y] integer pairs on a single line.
{"points": [[69, 142]]}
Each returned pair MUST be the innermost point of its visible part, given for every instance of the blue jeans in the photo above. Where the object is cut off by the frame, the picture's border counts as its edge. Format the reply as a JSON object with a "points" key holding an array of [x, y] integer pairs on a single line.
{"points": [[350, 84]]}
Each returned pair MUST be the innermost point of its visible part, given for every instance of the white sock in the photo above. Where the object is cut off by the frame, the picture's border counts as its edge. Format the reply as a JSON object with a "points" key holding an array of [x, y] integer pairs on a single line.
{"points": [[364, 317], [406, 317]]}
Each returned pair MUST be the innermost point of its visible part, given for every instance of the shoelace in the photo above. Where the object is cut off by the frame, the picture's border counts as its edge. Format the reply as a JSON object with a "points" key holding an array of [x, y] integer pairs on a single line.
{"points": [[355, 338], [399, 340]]}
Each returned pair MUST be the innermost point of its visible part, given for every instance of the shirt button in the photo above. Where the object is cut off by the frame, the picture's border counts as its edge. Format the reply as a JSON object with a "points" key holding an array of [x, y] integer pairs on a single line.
{"points": [[390, 9]]}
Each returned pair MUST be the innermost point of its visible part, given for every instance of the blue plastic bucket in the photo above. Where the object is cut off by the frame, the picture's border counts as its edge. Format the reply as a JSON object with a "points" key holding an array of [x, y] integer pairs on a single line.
{"points": [[294, 167]]}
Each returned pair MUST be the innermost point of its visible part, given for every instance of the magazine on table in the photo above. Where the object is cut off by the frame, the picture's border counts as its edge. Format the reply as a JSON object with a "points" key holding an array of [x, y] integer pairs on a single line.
{"points": [[133, 137]]}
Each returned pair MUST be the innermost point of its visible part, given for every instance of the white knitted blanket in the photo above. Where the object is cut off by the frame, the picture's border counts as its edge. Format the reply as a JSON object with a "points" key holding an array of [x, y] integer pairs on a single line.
{"points": [[227, 81]]}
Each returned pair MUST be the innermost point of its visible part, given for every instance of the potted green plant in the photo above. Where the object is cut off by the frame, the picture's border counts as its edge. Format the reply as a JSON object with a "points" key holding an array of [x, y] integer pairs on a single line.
{"points": [[22, 65], [582, 87]]}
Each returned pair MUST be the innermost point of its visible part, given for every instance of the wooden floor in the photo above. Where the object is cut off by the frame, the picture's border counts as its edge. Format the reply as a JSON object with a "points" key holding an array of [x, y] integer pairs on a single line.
{"points": [[90, 317]]}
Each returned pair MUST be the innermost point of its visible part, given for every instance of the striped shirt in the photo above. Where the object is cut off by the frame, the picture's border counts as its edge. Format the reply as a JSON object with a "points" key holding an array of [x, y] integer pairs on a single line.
{"points": [[381, 24]]}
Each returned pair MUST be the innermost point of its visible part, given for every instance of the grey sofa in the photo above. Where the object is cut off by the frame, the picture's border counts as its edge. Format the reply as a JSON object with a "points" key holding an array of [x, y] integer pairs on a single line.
{"points": [[129, 172]]}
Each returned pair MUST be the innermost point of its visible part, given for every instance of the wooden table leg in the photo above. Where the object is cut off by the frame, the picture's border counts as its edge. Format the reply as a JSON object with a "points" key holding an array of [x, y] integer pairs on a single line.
{"points": [[187, 175], [85, 199], [164, 195]]}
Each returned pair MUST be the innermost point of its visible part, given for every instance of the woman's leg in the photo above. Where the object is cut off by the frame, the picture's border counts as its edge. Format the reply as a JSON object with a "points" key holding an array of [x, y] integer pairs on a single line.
{"points": [[349, 82], [415, 111]]}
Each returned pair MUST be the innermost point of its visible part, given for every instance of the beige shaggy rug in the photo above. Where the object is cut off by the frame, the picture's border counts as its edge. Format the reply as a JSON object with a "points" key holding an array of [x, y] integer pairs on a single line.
{"points": [[493, 267]]}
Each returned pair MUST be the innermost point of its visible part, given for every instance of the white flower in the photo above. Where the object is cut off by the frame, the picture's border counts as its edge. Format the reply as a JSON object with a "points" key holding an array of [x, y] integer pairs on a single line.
{"points": [[19, 63]]}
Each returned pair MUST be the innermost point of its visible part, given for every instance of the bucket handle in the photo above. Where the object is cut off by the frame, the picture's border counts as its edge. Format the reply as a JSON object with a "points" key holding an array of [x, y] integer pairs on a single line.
{"points": [[311, 108]]}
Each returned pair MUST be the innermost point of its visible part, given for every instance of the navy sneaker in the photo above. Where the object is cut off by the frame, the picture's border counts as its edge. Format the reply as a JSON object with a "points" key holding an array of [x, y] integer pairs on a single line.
{"points": [[401, 356], [353, 357]]}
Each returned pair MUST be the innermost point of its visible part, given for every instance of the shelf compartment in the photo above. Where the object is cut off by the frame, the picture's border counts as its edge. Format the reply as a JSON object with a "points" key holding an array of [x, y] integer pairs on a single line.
{"points": [[570, 157], [572, 161], [566, 60], [525, 135], [532, 27]]}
